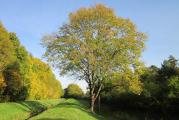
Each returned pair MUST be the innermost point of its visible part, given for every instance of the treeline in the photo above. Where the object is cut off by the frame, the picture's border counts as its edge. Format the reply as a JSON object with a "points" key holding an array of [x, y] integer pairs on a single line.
{"points": [[158, 89], [23, 76]]}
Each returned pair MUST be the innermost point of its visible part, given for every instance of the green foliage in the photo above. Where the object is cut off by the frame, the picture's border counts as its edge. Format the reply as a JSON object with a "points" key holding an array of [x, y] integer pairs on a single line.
{"points": [[16, 72], [21, 75], [169, 69], [43, 84], [6, 55], [74, 91], [22, 56], [151, 86], [15, 88], [95, 40], [159, 88], [161, 82], [6, 49], [127, 82], [174, 87]]}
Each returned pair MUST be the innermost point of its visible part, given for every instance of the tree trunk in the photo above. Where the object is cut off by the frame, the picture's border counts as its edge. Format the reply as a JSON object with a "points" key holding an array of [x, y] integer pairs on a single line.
{"points": [[92, 103]]}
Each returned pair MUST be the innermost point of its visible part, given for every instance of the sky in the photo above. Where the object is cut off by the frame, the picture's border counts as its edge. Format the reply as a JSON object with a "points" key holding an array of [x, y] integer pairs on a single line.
{"points": [[32, 19]]}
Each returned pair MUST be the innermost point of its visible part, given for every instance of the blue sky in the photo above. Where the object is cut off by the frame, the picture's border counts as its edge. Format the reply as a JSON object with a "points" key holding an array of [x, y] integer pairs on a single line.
{"points": [[32, 19]]}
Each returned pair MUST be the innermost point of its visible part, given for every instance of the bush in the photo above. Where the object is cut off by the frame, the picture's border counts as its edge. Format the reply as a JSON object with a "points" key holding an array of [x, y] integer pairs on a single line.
{"points": [[73, 91]]}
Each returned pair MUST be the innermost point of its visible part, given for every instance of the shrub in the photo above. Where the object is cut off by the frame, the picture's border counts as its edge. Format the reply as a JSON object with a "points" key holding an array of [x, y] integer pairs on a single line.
{"points": [[74, 91]]}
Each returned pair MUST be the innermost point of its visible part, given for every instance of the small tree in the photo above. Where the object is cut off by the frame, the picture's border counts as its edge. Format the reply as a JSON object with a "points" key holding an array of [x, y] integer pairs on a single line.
{"points": [[94, 44], [74, 91]]}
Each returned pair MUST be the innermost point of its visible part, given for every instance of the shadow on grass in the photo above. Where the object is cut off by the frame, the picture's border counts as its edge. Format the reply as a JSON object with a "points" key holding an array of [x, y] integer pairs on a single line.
{"points": [[34, 107], [81, 106], [51, 119], [78, 105]]}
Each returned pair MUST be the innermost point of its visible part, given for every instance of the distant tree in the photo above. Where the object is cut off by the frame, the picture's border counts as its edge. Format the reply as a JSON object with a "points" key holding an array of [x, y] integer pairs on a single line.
{"points": [[94, 44], [74, 91]]}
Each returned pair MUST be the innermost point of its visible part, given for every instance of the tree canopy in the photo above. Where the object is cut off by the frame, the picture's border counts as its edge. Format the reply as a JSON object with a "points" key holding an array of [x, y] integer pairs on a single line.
{"points": [[23, 76], [43, 84], [6, 48]]}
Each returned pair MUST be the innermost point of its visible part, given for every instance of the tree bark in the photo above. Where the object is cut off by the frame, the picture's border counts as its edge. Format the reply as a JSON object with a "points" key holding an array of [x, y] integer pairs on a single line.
{"points": [[94, 96], [92, 103]]}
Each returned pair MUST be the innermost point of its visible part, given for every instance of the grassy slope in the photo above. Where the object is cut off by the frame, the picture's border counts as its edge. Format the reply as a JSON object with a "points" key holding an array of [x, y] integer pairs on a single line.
{"points": [[62, 109], [69, 110], [23, 110]]}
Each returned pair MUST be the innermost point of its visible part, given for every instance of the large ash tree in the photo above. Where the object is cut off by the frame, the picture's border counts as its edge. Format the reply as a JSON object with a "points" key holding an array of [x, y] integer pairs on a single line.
{"points": [[94, 44]]}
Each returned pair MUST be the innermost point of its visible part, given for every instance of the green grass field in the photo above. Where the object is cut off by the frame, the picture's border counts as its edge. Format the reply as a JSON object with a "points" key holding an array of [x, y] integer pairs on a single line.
{"points": [[26, 109], [71, 109], [63, 109]]}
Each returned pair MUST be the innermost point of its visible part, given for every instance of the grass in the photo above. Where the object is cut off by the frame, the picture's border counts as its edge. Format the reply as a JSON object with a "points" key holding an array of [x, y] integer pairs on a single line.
{"points": [[63, 109], [26, 109], [71, 109]]}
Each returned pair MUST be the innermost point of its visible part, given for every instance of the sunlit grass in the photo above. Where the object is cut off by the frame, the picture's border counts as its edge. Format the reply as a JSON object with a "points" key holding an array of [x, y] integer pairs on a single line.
{"points": [[62, 109], [71, 109], [26, 109]]}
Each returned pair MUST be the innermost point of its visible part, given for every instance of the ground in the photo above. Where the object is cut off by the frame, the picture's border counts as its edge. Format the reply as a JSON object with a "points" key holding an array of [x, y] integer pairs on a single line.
{"points": [[62, 109]]}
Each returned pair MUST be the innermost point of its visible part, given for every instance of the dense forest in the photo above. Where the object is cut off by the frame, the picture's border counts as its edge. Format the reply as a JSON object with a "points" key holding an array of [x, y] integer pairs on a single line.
{"points": [[22, 76]]}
